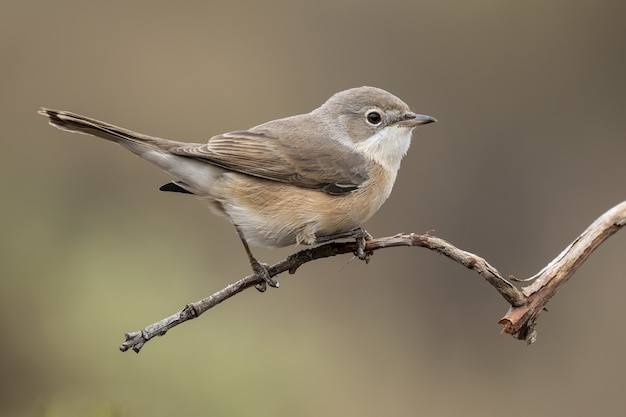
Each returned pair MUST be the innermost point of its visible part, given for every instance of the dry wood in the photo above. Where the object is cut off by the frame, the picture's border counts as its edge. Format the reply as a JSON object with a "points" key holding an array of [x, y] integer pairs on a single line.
{"points": [[526, 304]]}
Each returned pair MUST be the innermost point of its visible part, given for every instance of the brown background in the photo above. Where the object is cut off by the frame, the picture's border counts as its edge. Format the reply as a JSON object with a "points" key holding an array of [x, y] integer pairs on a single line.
{"points": [[529, 149]]}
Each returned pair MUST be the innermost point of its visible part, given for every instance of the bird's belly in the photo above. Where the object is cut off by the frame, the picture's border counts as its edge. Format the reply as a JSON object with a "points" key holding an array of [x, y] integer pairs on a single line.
{"points": [[272, 214]]}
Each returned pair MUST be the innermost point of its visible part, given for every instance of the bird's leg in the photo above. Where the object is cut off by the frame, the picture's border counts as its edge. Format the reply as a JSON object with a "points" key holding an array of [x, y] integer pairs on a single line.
{"points": [[260, 269], [361, 235]]}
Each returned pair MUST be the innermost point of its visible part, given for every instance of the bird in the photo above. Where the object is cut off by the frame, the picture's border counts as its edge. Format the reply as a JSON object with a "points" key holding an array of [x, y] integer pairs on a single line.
{"points": [[304, 179]]}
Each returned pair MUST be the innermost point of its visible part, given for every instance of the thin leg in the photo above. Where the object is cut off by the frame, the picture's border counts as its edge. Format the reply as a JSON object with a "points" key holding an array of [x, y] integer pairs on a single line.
{"points": [[258, 268], [361, 235]]}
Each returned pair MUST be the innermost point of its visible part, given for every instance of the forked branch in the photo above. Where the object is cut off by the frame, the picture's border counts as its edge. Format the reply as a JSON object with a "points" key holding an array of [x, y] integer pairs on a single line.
{"points": [[520, 321], [526, 304]]}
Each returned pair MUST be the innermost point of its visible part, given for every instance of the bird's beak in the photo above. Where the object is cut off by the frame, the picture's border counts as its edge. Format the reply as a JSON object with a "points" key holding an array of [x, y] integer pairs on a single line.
{"points": [[413, 119]]}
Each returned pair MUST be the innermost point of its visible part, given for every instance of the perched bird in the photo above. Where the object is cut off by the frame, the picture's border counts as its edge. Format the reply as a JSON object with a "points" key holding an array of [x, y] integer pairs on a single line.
{"points": [[306, 179]]}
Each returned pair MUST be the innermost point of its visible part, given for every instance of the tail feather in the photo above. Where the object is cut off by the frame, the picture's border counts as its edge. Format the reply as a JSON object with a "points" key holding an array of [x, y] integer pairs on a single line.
{"points": [[175, 187], [193, 176], [76, 123]]}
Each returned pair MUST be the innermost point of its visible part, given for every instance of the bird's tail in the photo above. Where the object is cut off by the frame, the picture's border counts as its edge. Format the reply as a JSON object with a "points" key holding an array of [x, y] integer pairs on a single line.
{"points": [[191, 175], [136, 142]]}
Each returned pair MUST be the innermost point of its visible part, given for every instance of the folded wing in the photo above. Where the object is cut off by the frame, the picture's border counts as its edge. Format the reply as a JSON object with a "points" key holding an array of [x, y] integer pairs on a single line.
{"points": [[316, 163]]}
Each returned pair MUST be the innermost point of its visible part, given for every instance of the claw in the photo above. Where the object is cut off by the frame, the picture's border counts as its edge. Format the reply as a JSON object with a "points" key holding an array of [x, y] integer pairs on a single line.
{"points": [[259, 269], [361, 235]]}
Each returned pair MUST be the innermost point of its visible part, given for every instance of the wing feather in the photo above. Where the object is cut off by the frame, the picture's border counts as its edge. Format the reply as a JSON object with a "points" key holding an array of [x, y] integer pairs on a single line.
{"points": [[273, 154]]}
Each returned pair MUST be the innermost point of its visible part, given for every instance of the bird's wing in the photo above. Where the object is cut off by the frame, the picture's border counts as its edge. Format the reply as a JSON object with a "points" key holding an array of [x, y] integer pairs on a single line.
{"points": [[334, 169]]}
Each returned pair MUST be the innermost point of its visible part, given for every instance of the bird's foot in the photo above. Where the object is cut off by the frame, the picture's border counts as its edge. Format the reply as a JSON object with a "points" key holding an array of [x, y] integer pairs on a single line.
{"points": [[359, 234], [260, 270]]}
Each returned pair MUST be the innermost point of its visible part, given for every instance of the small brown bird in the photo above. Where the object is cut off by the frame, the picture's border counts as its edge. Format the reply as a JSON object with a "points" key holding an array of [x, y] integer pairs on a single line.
{"points": [[308, 179]]}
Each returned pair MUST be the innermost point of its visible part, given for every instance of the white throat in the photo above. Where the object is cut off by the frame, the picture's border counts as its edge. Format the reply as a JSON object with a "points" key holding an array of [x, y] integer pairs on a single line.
{"points": [[387, 147]]}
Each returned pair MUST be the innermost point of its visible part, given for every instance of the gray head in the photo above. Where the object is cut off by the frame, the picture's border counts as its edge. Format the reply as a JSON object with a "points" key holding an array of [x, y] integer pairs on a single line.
{"points": [[372, 120], [365, 110]]}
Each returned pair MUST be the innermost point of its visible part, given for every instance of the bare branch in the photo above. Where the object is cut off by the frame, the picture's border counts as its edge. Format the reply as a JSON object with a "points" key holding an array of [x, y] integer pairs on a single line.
{"points": [[136, 340], [525, 305], [521, 320]]}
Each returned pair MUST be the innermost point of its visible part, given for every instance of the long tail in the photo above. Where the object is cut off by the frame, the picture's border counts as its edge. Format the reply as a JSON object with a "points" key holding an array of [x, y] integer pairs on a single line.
{"points": [[192, 175], [136, 142]]}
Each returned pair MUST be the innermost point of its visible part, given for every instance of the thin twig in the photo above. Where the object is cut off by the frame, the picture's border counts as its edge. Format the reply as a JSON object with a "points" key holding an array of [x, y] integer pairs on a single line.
{"points": [[136, 340]]}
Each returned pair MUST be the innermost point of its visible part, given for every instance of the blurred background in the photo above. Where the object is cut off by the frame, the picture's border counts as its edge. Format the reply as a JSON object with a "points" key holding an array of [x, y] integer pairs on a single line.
{"points": [[529, 149]]}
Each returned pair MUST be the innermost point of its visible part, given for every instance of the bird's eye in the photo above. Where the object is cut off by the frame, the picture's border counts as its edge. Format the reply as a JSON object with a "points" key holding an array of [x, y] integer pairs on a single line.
{"points": [[374, 118]]}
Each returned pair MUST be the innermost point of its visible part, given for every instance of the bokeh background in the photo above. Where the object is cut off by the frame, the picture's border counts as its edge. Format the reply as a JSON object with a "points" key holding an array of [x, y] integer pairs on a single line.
{"points": [[529, 149]]}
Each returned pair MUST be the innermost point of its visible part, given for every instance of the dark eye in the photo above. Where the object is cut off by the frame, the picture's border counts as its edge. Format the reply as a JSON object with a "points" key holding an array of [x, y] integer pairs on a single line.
{"points": [[374, 118]]}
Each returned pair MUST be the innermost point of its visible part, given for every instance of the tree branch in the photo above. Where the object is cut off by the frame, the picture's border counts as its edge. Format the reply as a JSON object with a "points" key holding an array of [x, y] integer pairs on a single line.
{"points": [[526, 305], [520, 321]]}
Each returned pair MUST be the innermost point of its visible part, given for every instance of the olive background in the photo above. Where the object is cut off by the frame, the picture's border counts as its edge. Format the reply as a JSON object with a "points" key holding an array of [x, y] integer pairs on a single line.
{"points": [[529, 149]]}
